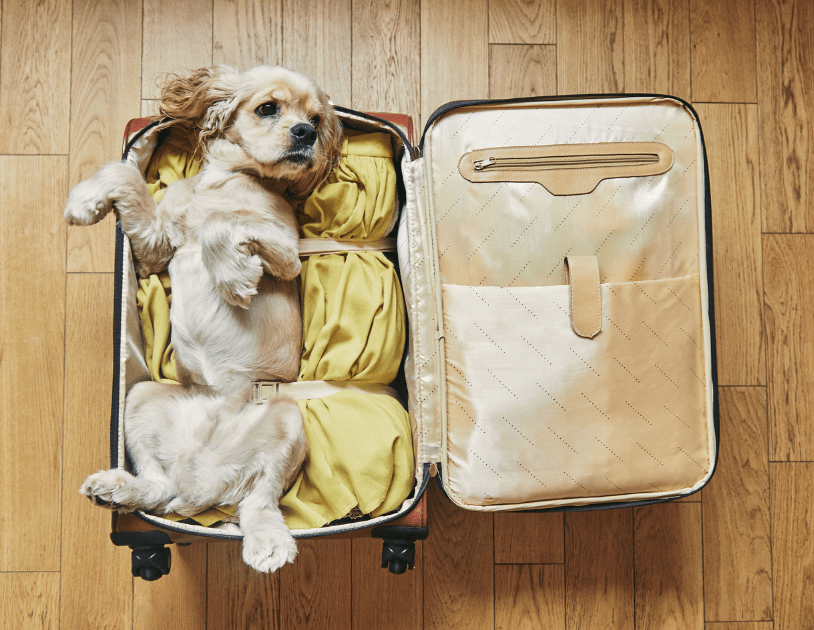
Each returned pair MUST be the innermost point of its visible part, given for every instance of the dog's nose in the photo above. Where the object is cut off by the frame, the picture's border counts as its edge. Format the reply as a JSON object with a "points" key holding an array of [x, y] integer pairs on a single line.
{"points": [[303, 134]]}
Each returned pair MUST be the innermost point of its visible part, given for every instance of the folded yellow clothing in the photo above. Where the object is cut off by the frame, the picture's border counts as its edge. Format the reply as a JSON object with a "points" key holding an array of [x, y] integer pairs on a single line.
{"points": [[154, 298], [172, 160]]}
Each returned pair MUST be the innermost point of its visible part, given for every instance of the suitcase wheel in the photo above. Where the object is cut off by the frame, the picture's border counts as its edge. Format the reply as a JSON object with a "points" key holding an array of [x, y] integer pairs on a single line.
{"points": [[398, 555], [151, 562]]}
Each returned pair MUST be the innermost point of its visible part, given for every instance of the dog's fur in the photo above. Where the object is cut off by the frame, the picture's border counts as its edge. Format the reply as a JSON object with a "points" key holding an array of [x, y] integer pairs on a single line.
{"points": [[230, 241]]}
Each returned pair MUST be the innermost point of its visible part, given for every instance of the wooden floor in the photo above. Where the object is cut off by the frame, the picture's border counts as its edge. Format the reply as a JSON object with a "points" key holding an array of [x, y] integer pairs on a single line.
{"points": [[738, 556]]}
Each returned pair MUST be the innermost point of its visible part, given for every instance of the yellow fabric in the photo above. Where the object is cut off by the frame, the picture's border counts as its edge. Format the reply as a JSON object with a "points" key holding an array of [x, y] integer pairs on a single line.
{"points": [[154, 298], [360, 445]]}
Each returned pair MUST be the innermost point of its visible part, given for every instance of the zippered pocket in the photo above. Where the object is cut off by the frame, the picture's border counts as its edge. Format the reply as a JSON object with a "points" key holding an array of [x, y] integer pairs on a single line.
{"points": [[566, 169]]}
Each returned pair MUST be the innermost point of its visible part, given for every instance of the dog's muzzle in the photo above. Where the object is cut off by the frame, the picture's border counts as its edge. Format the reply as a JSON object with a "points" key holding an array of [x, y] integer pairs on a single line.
{"points": [[303, 135]]}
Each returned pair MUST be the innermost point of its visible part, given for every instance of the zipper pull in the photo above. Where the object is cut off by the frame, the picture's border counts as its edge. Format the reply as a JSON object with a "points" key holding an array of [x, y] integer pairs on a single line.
{"points": [[482, 164]]}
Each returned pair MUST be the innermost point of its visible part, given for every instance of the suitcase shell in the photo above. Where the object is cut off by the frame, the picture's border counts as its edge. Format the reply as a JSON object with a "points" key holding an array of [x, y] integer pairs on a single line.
{"points": [[514, 405]]}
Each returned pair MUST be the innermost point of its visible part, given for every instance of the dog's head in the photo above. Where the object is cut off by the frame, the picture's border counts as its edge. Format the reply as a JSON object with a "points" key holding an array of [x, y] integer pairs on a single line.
{"points": [[284, 124]]}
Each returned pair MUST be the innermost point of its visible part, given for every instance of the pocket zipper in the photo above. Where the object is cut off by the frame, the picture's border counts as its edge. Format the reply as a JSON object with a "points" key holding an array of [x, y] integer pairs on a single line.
{"points": [[566, 161]]}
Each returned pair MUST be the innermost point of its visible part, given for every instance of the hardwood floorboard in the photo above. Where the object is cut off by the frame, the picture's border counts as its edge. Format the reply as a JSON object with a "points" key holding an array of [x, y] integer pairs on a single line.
{"points": [[736, 512], [730, 133], [668, 567], [724, 67], [29, 601], [528, 597], [521, 70], [793, 545], [528, 538], [785, 55], [247, 33], [657, 47], [522, 22], [32, 350], [599, 589], [105, 94], [788, 292], [90, 562]]}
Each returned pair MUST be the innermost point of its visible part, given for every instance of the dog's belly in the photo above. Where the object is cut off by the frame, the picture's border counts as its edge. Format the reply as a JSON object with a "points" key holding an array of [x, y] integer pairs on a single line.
{"points": [[223, 347]]}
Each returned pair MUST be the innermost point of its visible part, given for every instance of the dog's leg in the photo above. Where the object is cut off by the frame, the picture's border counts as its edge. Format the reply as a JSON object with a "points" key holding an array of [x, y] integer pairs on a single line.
{"points": [[238, 247], [119, 185]]}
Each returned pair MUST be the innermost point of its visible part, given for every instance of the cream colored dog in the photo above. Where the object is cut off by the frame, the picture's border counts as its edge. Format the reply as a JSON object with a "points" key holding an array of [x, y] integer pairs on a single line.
{"points": [[230, 241]]}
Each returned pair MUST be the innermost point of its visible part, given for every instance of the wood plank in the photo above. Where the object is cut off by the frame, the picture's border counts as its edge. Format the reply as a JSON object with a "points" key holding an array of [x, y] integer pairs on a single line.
{"points": [[105, 94], [522, 22], [599, 570], [315, 591], [668, 567], [785, 56], [248, 33], [740, 625], [517, 71], [458, 567], [789, 292], [237, 595], [590, 47], [730, 133], [528, 597], [657, 47], [724, 65], [380, 598], [177, 38], [177, 600], [90, 562], [736, 510], [29, 601], [317, 43], [35, 82], [32, 323], [461, 27], [524, 538], [792, 489], [386, 70]]}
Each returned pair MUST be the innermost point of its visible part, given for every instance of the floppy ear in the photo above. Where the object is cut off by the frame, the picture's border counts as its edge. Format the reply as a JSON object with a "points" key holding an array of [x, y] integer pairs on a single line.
{"points": [[327, 154], [203, 102]]}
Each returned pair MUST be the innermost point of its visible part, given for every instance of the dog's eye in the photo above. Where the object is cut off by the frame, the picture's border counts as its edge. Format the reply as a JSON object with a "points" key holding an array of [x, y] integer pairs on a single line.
{"points": [[267, 109], [315, 122]]}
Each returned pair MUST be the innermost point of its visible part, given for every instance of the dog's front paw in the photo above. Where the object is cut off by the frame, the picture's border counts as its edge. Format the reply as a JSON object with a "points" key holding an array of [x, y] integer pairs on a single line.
{"points": [[285, 268], [269, 550], [110, 489], [239, 283], [87, 203]]}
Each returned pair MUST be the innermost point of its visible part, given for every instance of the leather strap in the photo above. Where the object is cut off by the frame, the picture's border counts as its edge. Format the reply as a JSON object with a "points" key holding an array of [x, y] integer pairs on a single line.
{"points": [[308, 390], [314, 246], [586, 297]]}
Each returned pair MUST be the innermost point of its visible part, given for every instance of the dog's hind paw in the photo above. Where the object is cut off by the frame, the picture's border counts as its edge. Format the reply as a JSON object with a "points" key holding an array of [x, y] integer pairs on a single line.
{"points": [[268, 551], [87, 204], [110, 489]]}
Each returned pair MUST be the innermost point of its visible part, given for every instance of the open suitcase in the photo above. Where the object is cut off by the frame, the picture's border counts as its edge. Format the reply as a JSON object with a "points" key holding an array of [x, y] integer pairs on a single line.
{"points": [[556, 265]]}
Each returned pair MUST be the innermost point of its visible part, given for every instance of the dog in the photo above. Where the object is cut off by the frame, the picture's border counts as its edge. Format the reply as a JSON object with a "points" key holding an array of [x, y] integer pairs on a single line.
{"points": [[230, 241]]}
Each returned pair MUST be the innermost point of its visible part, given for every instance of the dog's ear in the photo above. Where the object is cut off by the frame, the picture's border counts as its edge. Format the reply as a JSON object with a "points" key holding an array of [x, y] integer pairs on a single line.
{"points": [[327, 154], [203, 102]]}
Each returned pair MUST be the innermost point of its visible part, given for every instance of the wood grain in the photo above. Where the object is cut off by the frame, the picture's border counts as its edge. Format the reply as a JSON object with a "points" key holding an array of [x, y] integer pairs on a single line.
{"points": [[29, 601], [785, 56], [380, 598], [32, 322], [788, 262], [590, 36], [730, 134], [461, 27], [522, 22], [668, 567], [458, 570], [105, 94], [518, 71], [247, 33], [741, 625], [317, 43], [385, 68], [315, 592], [237, 595], [528, 597], [90, 562], [177, 38], [723, 52], [657, 47], [599, 570], [792, 490], [35, 81], [177, 600], [523, 538], [736, 511]]}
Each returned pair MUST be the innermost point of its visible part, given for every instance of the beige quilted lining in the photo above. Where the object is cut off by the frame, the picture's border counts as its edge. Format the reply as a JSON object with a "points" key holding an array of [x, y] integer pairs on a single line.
{"points": [[536, 415]]}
